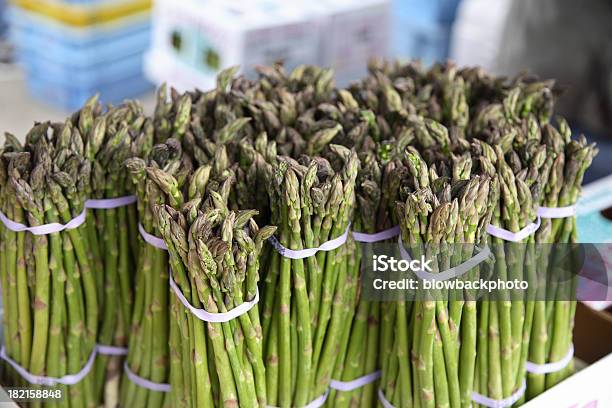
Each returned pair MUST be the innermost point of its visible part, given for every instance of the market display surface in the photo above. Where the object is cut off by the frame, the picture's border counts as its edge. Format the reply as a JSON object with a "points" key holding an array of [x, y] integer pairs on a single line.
{"points": [[212, 254]]}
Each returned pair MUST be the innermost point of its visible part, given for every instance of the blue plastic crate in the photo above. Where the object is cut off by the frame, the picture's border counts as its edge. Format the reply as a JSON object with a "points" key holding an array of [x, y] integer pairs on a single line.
{"points": [[427, 11], [448, 11], [68, 87], [3, 23], [66, 65], [82, 52], [422, 28], [67, 75], [414, 40], [52, 30], [72, 98]]}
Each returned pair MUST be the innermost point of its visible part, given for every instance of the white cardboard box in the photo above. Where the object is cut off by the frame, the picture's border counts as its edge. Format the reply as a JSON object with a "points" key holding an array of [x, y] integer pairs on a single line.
{"points": [[209, 35], [591, 386], [160, 67], [353, 31]]}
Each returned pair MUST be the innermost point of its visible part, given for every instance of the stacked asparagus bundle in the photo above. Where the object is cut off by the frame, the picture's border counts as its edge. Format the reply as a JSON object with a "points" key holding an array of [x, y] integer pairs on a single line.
{"points": [[214, 254], [285, 107], [48, 281], [458, 148], [217, 119], [148, 341], [111, 138], [504, 113], [505, 322], [553, 320], [535, 156], [374, 193], [307, 301], [452, 96], [212, 138], [438, 334]]}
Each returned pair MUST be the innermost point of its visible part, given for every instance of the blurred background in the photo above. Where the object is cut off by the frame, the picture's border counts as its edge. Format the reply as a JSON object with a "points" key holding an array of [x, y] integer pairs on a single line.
{"points": [[54, 54]]}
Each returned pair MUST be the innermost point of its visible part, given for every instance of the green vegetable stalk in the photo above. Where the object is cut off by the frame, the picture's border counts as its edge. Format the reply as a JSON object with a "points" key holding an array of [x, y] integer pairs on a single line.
{"points": [[438, 333], [148, 350], [443, 152], [49, 284], [509, 319], [303, 299], [359, 355], [110, 138], [214, 255], [553, 319]]}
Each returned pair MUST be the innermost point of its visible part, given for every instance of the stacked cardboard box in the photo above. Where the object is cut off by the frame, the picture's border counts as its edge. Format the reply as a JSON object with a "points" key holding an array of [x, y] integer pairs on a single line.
{"points": [[589, 387], [194, 39]]}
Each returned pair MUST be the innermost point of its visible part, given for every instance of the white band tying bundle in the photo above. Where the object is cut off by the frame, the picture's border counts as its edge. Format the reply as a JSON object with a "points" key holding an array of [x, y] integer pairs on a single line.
{"points": [[501, 403], [111, 350], [477, 398], [356, 383], [378, 236], [109, 203], [381, 397], [152, 239], [76, 222], [44, 229], [454, 272], [143, 382], [308, 252], [551, 367], [214, 317], [316, 403], [514, 236], [557, 212], [69, 379]]}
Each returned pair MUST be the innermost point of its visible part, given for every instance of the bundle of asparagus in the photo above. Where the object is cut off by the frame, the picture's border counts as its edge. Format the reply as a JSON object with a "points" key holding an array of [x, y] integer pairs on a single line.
{"points": [[214, 255], [553, 320], [439, 334], [459, 148], [452, 96], [286, 106], [48, 281], [277, 104], [307, 301], [147, 360], [111, 137], [505, 323], [535, 155], [374, 193], [508, 113]]}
